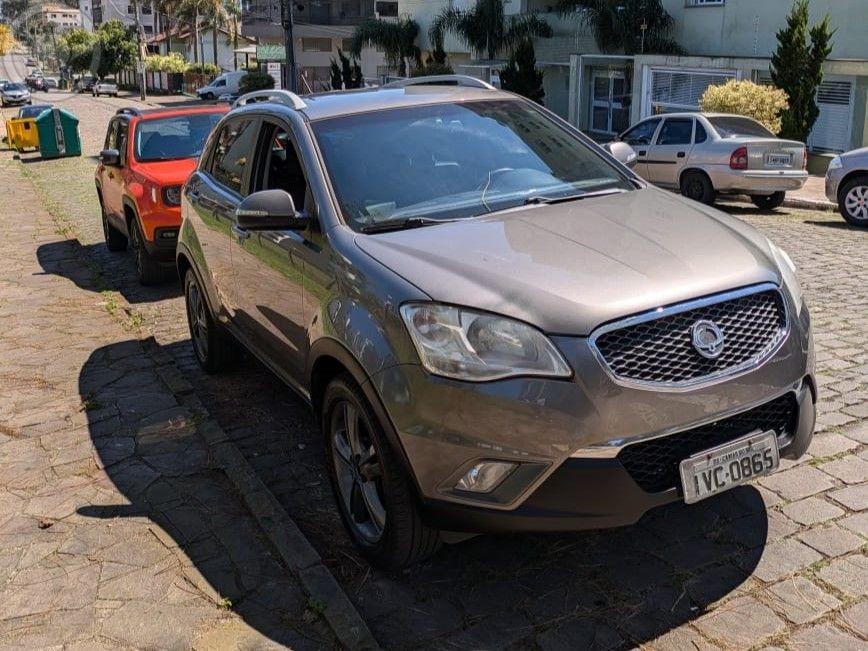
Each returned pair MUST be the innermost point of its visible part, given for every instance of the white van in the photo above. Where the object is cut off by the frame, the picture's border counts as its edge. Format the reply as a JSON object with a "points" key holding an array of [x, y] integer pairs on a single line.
{"points": [[227, 83]]}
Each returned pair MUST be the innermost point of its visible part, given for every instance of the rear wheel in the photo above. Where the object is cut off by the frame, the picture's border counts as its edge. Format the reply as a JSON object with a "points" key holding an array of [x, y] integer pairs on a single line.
{"points": [[697, 186], [114, 239], [373, 492], [215, 349], [853, 201], [147, 269], [768, 201]]}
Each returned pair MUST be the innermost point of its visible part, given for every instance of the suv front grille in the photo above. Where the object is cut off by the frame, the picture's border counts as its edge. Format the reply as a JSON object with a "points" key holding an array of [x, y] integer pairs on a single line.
{"points": [[653, 464], [660, 350]]}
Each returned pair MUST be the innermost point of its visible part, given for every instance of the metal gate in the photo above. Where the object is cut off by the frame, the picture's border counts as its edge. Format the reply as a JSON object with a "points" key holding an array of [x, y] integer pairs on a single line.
{"points": [[831, 132]]}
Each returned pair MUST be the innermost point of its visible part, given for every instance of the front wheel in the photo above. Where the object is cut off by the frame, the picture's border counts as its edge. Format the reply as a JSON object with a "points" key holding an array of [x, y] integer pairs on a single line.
{"points": [[768, 201], [373, 492], [697, 186], [853, 201], [215, 349], [147, 269], [114, 239]]}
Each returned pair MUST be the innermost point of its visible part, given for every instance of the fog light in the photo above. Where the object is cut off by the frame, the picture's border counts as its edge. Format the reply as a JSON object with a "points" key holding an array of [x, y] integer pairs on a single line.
{"points": [[169, 235], [485, 476]]}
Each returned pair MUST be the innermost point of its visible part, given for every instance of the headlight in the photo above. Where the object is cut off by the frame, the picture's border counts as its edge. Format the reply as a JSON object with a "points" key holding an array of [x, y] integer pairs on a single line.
{"points": [[788, 270], [172, 195], [835, 163], [475, 346]]}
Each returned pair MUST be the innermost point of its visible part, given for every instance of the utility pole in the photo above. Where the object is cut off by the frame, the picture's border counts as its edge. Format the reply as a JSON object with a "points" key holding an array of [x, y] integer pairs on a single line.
{"points": [[291, 82], [140, 37]]}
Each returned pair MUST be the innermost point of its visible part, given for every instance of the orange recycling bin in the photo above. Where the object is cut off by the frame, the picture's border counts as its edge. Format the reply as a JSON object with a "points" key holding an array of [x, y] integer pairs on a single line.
{"points": [[22, 133]]}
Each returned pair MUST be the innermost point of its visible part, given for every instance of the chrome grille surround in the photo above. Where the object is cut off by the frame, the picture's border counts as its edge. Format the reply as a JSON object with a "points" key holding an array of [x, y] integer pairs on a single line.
{"points": [[653, 350]]}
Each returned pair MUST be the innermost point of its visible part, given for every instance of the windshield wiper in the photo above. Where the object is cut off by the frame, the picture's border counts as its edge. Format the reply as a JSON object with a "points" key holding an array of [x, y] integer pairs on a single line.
{"points": [[540, 199], [402, 223]]}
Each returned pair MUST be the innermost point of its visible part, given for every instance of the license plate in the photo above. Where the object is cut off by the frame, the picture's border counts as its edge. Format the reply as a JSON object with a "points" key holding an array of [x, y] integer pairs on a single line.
{"points": [[779, 160], [713, 471]]}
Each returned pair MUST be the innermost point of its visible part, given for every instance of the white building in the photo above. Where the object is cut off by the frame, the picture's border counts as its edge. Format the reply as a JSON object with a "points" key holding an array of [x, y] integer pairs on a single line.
{"points": [[96, 12], [61, 16]]}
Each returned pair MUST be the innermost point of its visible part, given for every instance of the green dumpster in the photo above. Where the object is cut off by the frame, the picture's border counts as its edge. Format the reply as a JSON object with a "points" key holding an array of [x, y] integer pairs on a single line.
{"points": [[58, 134]]}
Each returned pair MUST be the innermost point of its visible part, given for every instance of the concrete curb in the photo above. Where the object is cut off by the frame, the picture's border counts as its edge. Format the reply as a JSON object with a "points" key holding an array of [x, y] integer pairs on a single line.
{"points": [[809, 204], [296, 551]]}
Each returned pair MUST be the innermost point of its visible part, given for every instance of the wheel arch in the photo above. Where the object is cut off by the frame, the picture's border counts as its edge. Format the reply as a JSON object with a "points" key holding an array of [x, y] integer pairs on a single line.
{"points": [[854, 174], [691, 169]]}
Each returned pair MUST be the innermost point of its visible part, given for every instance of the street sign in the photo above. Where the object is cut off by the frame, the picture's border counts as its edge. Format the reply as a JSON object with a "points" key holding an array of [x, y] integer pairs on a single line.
{"points": [[273, 69]]}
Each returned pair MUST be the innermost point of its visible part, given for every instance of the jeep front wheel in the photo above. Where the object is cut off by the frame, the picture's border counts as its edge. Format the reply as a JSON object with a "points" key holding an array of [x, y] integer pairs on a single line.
{"points": [[147, 269], [114, 239]]}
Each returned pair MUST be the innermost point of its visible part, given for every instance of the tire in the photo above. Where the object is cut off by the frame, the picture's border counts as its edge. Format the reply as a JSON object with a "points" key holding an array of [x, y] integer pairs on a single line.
{"points": [[374, 495], [697, 186], [215, 349], [208, 96], [853, 201], [147, 269], [114, 239], [768, 201]]}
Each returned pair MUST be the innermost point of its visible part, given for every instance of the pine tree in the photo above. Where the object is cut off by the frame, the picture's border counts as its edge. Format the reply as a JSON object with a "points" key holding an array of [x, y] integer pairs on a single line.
{"points": [[796, 68], [520, 74]]}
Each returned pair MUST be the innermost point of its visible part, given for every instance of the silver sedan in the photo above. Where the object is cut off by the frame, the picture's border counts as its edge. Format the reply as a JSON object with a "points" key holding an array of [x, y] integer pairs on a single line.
{"points": [[847, 185], [706, 154]]}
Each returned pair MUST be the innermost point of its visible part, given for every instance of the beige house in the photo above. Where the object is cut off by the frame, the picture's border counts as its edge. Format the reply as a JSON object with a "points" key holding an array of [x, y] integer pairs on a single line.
{"points": [[61, 17]]}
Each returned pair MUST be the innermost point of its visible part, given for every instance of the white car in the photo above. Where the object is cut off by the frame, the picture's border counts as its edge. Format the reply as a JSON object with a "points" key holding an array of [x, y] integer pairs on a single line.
{"points": [[105, 87], [704, 154]]}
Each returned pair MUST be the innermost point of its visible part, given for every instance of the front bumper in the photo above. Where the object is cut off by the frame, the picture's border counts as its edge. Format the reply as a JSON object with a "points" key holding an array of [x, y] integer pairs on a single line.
{"points": [[833, 180]]}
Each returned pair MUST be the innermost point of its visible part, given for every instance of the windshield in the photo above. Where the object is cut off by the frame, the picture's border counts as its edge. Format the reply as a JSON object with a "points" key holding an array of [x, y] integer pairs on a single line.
{"points": [[452, 161], [15, 87], [173, 138], [733, 126], [33, 111]]}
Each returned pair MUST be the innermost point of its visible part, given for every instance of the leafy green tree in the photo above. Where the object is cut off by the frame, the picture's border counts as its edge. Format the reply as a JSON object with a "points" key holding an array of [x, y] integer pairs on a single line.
{"points": [[118, 49], [255, 81], [347, 74], [76, 49], [396, 38], [797, 69], [485, 28], [617, 25], [520, 74]]}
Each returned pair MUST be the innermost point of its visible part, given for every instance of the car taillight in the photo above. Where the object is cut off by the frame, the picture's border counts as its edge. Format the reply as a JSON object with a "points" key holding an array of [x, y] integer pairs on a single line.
{"points": [[738, 160], [172, 195]]}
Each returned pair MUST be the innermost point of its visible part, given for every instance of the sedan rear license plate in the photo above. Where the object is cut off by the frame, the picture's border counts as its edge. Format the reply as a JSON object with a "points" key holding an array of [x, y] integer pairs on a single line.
{"points": [[779, 160], [713, 471]]}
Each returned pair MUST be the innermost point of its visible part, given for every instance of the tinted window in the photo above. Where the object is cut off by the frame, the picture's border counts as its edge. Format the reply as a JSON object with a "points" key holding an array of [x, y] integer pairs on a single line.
{"points": [[642, 133], [15, 87], [732, 126], [454, 160], [701, 134], [111, 136], [173, 138], [676, 131], [282, 169], [233, 150]]}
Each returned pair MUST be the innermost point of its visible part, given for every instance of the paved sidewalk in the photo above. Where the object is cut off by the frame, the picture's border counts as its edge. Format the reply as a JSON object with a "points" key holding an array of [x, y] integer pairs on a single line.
{"points": [[116, 530]]}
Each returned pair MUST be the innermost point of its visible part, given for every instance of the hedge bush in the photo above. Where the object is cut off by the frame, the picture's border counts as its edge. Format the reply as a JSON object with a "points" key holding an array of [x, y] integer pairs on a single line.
{"points": [[762, 103]]}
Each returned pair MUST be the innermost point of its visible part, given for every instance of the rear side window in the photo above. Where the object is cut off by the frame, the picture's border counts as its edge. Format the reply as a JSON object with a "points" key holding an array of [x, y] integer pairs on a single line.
{"points": [[701, 134], [233, 152]]}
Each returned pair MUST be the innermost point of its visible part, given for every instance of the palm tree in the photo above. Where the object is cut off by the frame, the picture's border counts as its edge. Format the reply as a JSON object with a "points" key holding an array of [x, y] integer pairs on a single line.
{"points": [[396, 38], [485, 28], [617, 25]]}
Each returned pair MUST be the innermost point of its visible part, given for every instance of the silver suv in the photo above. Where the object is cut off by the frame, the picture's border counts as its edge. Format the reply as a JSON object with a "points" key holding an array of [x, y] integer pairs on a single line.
{"points": [[498, 326]]}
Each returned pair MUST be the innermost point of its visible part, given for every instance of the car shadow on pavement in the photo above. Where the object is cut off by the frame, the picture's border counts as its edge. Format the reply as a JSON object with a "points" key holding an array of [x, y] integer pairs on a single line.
{"points": [[604, 589], [838, 224], [79, 263], [191, 549]]}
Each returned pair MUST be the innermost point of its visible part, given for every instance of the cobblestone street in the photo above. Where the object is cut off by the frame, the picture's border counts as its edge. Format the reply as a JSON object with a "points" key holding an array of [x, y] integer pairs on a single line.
{"points": [[782, 563]]}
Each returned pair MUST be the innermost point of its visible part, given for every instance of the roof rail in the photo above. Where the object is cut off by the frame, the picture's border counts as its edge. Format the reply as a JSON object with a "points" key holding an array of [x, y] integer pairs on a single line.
{"points": [[440, 80], [274, 95], [128, 110]]}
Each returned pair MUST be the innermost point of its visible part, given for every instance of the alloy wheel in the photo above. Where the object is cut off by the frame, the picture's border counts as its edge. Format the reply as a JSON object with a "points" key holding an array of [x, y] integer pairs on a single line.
{"points": [[198, 317], [856, 202], [358, 472]]}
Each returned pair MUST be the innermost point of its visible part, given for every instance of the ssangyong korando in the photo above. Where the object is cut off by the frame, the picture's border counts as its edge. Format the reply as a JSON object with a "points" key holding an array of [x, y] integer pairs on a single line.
{"points": [[498, 326]]}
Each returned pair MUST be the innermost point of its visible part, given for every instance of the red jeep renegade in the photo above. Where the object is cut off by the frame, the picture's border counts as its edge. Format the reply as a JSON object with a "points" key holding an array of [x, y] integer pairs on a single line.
{"points": [[147, 157]]}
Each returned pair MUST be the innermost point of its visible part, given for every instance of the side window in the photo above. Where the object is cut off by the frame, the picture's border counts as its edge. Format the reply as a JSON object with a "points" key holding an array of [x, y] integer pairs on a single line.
{"points": [[642, 133], [123, 131], [220, 82], [701, 135], [281, 169], [233, 151], [111, 135], [676, 131]]}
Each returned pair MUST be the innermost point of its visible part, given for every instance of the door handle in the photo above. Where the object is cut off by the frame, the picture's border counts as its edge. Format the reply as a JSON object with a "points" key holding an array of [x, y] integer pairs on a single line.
{"points": [[680, 154], [241, 233]]}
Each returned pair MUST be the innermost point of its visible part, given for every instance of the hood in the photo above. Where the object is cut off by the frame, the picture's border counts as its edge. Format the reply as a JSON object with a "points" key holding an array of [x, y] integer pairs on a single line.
{"points": [[568, 268], [169, 172]]}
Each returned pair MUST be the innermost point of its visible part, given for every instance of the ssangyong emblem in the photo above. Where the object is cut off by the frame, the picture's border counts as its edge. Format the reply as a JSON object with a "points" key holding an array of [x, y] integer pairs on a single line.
{"points": [[707, 338]]}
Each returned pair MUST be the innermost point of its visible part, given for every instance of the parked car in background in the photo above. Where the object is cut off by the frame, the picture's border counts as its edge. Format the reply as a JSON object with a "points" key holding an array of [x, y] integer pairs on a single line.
{"points": [[145, 160], [847, 185], [49, 83], [14, 94], [30, 63], [84, 84], [3, 83], [34, 110], [706, 154], [227, 83], [498, 327], [106, 86]]}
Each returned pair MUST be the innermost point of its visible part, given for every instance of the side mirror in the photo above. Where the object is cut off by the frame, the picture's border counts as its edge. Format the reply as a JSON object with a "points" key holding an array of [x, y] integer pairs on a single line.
{"points": [[110, 157], [622, 152], [269, 210]]}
